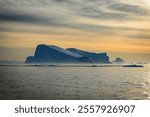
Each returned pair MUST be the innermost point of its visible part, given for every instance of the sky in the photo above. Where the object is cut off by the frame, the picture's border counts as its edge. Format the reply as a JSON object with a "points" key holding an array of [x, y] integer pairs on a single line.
{"points": [[119, 27]]}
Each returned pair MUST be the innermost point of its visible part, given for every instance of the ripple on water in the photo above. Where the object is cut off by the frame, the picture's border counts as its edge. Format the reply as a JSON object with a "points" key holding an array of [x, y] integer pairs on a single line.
{"points": [[74, 83]]}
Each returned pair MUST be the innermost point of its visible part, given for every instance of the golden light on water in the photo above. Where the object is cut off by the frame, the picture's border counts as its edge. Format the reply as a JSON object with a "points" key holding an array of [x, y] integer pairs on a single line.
{"points": [[146, 78]]}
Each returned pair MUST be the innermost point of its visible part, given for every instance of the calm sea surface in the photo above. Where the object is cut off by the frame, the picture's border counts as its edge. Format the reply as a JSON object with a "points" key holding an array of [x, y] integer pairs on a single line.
{"points": [[28, 82]]}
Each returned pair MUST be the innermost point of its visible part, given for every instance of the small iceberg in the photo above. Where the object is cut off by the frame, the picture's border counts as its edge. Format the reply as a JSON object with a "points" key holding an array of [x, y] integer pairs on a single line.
{"points": [[94, 66], [133, 65]]}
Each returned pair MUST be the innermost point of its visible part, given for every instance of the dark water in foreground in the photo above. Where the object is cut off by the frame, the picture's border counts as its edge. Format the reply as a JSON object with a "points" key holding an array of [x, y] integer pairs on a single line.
{"points": [[26, 82]]}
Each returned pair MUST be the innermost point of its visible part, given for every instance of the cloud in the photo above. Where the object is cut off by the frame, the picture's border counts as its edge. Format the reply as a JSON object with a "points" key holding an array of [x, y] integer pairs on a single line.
{"points": [[63, 14], [130, 9], [140, 36], [102, 9], [22, 18]]}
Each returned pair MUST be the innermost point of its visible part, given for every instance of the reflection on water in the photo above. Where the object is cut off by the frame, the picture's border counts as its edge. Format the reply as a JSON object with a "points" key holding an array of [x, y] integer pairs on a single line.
{"points": [[74, 82], [147, 82]]}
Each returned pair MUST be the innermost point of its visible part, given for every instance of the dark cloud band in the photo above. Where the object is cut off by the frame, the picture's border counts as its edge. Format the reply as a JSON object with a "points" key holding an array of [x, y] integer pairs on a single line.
{"points": [[62, 13]]}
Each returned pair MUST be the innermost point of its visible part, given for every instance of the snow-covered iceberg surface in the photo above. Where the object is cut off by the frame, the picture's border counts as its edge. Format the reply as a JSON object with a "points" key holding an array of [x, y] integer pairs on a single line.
{"points": [[54, 54]]}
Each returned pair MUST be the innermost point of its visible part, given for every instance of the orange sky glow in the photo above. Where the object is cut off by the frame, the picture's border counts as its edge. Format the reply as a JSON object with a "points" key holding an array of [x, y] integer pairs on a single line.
{"points": [[101, 26]]}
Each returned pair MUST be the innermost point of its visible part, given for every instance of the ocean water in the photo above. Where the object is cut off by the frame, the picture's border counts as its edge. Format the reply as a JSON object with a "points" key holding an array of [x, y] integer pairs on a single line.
{"points": [[63, 83]]}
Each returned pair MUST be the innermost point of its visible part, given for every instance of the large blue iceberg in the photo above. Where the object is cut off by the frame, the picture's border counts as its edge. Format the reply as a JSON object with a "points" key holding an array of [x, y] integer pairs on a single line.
{"points": [[54, 54]]}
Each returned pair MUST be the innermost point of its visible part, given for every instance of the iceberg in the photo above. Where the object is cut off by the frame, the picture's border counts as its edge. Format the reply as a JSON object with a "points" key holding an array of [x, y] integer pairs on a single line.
{"points": [[119, 60], [54, 54]]}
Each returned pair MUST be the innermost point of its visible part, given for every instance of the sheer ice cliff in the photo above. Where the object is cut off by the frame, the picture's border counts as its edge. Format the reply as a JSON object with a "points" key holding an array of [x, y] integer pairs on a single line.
{"points": [[54, 54]]}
